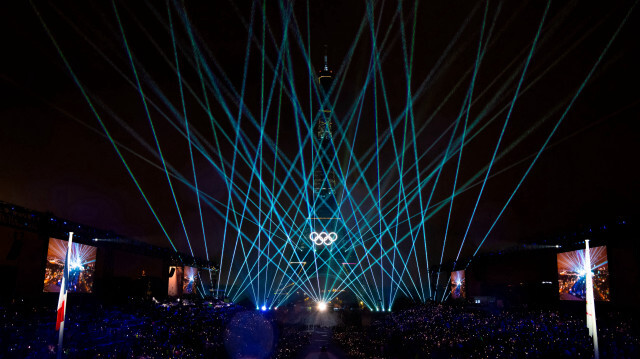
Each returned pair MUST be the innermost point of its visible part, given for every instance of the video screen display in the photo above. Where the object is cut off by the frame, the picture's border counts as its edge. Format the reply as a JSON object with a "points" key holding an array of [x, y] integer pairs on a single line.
{"points": [[82, 262], [189, 280], [175, 281], [572, 274], [458, 286]]}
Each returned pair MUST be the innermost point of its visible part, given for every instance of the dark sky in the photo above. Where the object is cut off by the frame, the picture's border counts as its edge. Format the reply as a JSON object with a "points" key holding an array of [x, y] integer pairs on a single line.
{"points": [[54, 155]]}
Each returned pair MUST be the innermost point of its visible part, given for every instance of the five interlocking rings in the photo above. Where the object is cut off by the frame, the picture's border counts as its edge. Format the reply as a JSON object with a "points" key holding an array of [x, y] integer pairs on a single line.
{"points": [[323, 238]]}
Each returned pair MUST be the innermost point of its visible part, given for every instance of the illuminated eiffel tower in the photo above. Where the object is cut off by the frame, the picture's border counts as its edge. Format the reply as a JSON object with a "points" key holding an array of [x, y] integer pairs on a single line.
{"points": [[324, 242], [325, 212]]}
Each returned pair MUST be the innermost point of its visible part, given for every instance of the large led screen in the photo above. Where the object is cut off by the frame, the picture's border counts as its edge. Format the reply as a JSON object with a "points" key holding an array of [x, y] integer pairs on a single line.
{"points": [[175, 281], [189, 280], [458, 286], [572, 274], [82, 264]]}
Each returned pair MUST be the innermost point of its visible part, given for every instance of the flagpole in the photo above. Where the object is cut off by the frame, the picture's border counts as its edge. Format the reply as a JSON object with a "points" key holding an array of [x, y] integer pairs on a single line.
{"points": [[60, 335], [591, 308], [62, 299]]}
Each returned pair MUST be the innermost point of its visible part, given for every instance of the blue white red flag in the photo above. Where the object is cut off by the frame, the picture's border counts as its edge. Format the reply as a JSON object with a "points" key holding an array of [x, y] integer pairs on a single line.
{"points": [[64, 286]]}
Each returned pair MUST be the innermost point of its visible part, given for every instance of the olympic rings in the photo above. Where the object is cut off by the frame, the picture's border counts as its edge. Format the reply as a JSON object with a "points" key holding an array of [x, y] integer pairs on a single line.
{"points": [[323, 238]]}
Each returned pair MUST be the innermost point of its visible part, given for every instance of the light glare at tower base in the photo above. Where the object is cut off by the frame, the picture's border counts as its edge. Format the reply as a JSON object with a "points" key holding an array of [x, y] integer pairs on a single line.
{"points": [[322, 306]]}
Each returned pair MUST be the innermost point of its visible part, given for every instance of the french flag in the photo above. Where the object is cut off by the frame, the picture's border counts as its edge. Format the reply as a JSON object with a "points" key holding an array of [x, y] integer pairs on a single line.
{"points": [[62, 300]]}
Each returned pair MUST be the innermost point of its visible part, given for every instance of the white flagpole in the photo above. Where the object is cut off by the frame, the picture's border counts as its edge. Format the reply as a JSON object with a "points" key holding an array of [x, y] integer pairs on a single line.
{"points": [[591, 308], [63, 294], [60, 335]]}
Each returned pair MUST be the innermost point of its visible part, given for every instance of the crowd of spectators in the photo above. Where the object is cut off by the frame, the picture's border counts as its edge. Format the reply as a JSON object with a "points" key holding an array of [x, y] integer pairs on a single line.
{"points": [[148, 329], [440, 331], [214, 329]]}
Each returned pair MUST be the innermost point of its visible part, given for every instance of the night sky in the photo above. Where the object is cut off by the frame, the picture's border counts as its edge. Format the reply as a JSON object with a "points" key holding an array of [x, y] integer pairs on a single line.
{"points": [[54, 155]]}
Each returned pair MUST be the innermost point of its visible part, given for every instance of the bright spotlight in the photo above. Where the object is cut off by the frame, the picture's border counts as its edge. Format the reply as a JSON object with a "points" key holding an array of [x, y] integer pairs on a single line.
{"points": [[322, 306], [75, 264], [264, 307]]}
